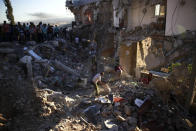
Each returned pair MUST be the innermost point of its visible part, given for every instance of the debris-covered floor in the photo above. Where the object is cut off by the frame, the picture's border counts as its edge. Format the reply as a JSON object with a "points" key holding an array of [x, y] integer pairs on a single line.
{"points": [[44, 94]]}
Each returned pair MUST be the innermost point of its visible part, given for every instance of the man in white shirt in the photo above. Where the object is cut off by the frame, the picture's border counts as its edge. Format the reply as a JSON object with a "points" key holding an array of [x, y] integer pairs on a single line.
{"points": [[97, 79]]}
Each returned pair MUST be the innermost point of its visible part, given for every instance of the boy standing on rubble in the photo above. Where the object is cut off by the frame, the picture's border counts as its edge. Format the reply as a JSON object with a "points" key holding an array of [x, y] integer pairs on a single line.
{"points": [[119, 70], [97, 80], [92, 52]]}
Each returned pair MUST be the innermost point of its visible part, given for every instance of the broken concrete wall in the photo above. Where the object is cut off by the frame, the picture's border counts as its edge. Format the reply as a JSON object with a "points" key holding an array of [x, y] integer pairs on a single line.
{"points": [[102, 25], [97, 13], [136, 15], [83, 14], [108, 52], [118, 12], [127, 56], [83, 11], [77, 13], [150, 55], [78, 16], [159, 51], [105, 12], [84, 17], [115, 17], [181, 16], [105, 42], [108, 46]]}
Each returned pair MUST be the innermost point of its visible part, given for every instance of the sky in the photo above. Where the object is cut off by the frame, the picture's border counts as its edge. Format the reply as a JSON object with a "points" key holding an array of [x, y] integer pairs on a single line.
{"points": [[38, 10]]}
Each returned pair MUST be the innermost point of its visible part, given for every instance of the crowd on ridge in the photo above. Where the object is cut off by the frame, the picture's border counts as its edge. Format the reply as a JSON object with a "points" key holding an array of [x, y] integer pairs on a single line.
{"points": [[30, 32]]}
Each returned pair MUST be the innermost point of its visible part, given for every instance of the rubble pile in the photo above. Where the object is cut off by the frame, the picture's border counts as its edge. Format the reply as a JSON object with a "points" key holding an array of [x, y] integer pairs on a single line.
{"points": [[58, 59], [137, 107], [44, 87], [27, 76]]}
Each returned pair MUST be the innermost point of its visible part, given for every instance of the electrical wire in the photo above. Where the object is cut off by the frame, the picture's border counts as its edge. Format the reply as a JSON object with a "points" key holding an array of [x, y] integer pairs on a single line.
{"points": [[173, 18], [177, 16], [142, 19]]}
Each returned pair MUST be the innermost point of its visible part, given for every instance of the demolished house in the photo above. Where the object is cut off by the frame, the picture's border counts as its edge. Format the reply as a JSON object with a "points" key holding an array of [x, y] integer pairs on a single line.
{"points": [[141, 34], [152, 32], [47, 86]]}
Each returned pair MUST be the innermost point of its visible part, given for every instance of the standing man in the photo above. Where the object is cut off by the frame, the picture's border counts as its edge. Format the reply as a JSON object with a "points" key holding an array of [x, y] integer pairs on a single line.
{"points": [[21, 36], [97, 80], [50, 32], [39, 33], [27, 33], [5, 31], [56, 31], [44, 31], [65, 32]]}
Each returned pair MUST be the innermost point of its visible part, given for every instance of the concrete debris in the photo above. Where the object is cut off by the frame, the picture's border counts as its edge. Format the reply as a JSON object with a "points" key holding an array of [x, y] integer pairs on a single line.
{"points": [[6, 50], [31, 43], [132, 121], [26, 59], [104, 100], [55, 43], [127, 110], [47, 86], [110, 125], [59, 65], [139, 102], [60, 97], [120, 118], [91, 113], [34, 55]]}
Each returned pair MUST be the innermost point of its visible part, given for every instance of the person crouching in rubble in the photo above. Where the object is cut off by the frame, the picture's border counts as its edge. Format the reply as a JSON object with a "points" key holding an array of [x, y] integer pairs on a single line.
{"points": [[97, 80]]}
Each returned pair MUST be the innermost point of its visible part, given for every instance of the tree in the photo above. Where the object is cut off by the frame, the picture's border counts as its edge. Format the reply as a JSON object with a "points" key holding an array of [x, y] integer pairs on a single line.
{"points": [[9, 11]]}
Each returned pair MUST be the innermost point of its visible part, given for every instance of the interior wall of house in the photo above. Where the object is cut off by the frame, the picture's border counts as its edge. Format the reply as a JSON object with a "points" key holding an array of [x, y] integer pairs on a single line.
{"points": [[136, 17], [127, 57], [180, 16], [149, 54]]}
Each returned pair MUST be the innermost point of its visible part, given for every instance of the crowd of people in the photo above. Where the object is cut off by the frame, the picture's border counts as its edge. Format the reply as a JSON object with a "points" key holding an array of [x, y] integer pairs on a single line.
{"points": [[29, 32]]}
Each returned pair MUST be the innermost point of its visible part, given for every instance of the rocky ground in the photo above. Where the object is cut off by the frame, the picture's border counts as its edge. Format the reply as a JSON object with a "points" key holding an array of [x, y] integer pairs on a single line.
{"points": [[51, 97]]}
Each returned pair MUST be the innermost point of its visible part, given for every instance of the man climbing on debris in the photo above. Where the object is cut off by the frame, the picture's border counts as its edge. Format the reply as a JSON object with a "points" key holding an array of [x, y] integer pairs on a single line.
{"points": [[97, 80]]}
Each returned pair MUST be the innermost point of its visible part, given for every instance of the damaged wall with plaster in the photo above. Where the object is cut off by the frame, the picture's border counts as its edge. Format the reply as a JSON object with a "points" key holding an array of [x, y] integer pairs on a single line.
{"points": [[103, 23], [136, 17], [127, 56], [180, 16], [105, 13], [84, 17], [118, 12], [108, 45], [149, 54]]}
